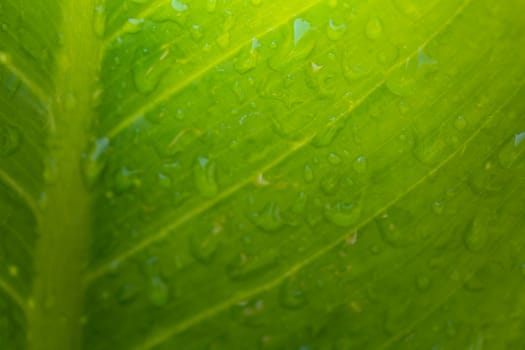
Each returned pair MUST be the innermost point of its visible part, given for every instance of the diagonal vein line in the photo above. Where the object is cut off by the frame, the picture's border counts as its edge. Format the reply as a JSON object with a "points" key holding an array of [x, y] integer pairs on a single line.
{"points": [[155, 101], [36, 89], [20, 191], [13, 294], [168, 332], [447, 297], [105, 267], [144, 13]]}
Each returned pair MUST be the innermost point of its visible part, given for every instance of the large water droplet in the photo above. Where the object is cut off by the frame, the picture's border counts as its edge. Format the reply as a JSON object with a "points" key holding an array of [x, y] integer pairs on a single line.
{"points": [[343, 214], [10, 139], [205, 178], [300, 28], [326, 136], [178, 5]]}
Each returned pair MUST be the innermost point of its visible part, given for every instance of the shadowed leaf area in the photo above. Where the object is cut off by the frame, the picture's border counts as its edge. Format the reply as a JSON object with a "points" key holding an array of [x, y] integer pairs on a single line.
{"points": [[257, 174]]}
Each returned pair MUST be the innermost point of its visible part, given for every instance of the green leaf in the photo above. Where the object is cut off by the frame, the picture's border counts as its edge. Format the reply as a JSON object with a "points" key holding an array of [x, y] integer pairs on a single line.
{"points": [[299, 174]]}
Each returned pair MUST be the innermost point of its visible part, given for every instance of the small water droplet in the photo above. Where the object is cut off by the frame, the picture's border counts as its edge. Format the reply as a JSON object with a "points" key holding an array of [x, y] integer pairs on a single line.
{"points": [[205, 178], [476, 235], [205, 243], [374, 28], [460, 123], [178, 5], [342, 214], [335, 31], [299, 205], [334, 159], [308, 174], [248, 312], [158, 291], [127, 293], [10, 139], [438, 207], [393, 227], [269, 218], [330, 184], [125, 179], [360, 165], [291, 294], [244, 266], [149, 68], [94, 162], [328, 135], [512, 150]]}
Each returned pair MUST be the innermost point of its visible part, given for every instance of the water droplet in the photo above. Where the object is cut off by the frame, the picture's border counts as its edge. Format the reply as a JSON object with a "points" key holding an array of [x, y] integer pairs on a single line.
{"points": [[205, 178], [409, 8], [342, 214], [126, 179], [374, 28], [269, 218], [335, 31], [182, 141], [205, 243], [299, 205], [308, 173], [393, 227], [178, 5], [291, 294], [438, 207], [512, 150], [94, 162], [334, 159], [300, 28], [149, 68], [50, 171], [248, 312], [245, 266], [430, 149], [127, 293], [460, 123], [158, 291], [10, 139], [330, 184], [246, 60], [360, 165], [133, 25], [487, 181], [476, 234], [328, 135]]}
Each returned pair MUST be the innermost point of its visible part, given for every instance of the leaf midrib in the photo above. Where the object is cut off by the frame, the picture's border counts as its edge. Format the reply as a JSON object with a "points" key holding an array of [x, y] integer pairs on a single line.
{"points": [[55, 312]]}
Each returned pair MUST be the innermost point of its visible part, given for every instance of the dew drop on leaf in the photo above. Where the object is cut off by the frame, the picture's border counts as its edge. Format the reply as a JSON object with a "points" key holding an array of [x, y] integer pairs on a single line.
{"points": [[325, 137], [476, 235], [460, 123], [360, 165], [335, 30], [94, 162], [512, 150], [392, 226], [178, 5], [158, 291], [291, 294], [330, 184], [244, 265], [308, 173], [300, 28], [248, 312], [342, 214], [334, 159], [205, 243], [205, 177], [10, 139], [269, 218]]}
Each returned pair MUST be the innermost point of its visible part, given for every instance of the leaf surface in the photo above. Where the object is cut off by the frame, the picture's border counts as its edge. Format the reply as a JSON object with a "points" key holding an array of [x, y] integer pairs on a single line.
{"points": [[256, 174]]}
